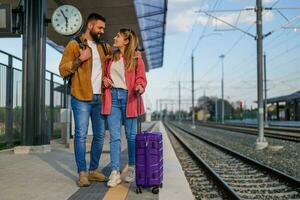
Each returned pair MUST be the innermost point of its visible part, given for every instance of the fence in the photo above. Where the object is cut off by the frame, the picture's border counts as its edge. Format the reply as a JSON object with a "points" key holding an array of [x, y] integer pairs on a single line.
{"points": [[11, 100]]}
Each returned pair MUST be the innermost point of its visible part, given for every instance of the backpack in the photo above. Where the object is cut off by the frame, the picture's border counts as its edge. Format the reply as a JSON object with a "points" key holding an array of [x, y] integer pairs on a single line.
{"points": [[83, 46]]}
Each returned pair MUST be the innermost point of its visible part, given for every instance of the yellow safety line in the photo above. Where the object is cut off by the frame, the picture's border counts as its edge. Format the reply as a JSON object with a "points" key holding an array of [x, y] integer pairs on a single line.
{"points": [[119, 192]]}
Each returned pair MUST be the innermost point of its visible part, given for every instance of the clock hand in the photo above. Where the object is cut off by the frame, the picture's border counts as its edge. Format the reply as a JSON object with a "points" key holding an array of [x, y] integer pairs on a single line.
{"points": [[63, 14], [65, 18]]}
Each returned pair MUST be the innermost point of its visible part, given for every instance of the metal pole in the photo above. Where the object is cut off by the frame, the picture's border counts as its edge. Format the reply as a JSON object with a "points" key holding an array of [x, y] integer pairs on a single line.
{"points": [[17, 93], [179, 101], [222, 85], [65, 102], [166, 108], [296, 110], [160, 111], [156, 109], [9, 102], [34, 56], [261, 142], [216, 109], [193, 109], [51, 103], [266, 103]]}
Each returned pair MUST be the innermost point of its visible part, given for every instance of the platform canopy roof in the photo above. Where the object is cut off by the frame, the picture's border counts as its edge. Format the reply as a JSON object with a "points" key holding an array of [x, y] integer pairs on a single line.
{"points": [[290, 97], [146, 18]]}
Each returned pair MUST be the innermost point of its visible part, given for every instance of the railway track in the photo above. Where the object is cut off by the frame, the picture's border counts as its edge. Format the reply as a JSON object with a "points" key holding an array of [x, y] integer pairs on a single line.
{"points": [[283, 133], [239, 177]]}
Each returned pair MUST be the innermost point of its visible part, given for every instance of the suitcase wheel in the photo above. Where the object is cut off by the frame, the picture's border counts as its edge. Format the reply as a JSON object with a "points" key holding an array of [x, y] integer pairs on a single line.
{"points": [[155, 190], [161, 185], [138, 190]]}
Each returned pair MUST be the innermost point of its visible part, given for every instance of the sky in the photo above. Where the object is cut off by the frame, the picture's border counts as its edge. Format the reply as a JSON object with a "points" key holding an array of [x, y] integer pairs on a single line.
{"points": [[185, 27], [188, 30]]}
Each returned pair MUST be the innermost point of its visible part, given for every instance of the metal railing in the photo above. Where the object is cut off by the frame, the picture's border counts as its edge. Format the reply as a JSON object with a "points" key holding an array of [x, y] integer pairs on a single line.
{"points": [[11, 100]]}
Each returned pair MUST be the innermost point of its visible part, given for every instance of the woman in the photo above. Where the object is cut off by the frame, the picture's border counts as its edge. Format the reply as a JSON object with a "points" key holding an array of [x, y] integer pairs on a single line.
{"points": [[124, 81]]}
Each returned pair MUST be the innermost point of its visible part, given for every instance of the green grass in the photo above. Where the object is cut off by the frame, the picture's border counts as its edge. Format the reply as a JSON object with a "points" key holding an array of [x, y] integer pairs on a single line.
{"points": [[56, 134], [2, 137], [5, 145]]}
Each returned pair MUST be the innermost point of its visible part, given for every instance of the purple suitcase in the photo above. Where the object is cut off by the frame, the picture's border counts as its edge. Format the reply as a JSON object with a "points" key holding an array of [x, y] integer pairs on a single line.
{"points": [[148, 159]]}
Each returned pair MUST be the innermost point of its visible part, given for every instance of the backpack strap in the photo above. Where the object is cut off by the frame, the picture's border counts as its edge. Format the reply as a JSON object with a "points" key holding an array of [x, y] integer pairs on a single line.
{"points": [[81, 46], [80, 42], [104, 47]]}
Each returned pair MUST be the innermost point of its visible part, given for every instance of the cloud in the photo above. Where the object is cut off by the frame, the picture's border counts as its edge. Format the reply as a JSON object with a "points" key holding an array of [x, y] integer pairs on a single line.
{"points": [[181, 15], [251, 1], [182, 20], [182, 1], [243, 18], [267, 1]]}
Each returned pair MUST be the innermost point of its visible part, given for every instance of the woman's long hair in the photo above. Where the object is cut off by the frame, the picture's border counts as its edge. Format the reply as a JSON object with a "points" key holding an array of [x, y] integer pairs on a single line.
{"points": [[130, 49]]}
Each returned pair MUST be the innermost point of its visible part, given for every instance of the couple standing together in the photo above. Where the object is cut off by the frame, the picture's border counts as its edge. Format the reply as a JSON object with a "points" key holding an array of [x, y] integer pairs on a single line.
{"points": [[105, 88]]}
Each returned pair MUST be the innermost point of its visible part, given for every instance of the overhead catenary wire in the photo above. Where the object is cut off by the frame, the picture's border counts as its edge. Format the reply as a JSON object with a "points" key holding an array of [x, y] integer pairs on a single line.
{"points": [[275, 57], [269, 43], [204, 29], [237, 42], [241, 75], [245, 32], [181, 60]]}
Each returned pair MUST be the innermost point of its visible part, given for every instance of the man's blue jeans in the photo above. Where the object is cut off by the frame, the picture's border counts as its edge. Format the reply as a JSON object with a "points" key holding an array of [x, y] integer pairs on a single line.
{"points": [[117, 115], [82, 111]]}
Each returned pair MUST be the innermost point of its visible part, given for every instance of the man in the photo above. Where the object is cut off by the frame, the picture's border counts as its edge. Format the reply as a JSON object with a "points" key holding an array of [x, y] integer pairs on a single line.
{"points": [[85, 65]]}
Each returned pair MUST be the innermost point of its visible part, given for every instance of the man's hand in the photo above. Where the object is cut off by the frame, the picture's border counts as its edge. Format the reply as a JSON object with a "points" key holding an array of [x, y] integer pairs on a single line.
{"points": [[107, 82], [85, 54], [139, 89]]}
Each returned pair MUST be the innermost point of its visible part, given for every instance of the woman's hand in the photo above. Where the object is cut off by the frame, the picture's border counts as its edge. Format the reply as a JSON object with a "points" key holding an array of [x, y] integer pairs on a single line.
{"points": [[107, 82], [139, 89], [137, 54]]}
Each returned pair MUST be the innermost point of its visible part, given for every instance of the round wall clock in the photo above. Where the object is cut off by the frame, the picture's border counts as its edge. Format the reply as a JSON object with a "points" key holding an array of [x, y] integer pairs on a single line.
{"points": [[66, 20]]}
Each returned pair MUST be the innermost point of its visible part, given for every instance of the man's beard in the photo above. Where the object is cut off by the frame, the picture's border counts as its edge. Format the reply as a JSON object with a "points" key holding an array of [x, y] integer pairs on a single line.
{"points": [[95, 37]]}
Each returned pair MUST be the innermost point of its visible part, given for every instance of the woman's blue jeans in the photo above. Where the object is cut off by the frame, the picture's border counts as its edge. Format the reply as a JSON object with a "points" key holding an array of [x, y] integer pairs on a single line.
{"points": [[82, 111], [115, 119]]}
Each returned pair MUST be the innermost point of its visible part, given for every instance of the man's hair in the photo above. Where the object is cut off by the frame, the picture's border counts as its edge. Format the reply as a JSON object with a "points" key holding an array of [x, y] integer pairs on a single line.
{"points": [[94, 16]]}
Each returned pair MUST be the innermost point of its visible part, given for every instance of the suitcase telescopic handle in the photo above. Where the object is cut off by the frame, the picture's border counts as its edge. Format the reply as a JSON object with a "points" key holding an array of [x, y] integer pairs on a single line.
{"points": [[139, 108]]}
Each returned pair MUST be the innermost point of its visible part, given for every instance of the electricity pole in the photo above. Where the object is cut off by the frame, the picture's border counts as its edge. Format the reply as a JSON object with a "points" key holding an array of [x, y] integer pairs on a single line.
{"points": [[222, 83], [193, 109], [261, 142]]}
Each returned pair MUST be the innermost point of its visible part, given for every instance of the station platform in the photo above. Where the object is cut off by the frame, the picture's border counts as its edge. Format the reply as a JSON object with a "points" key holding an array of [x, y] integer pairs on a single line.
{"points": [[53, 175]]}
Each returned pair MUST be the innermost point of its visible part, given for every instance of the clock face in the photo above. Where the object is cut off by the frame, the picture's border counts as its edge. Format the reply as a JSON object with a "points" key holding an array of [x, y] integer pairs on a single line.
{"points": [[66, 20]]}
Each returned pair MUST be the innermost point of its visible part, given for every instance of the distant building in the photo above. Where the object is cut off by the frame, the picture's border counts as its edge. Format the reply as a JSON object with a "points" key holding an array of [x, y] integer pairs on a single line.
{"points": [[210, 108], [285, 108]]}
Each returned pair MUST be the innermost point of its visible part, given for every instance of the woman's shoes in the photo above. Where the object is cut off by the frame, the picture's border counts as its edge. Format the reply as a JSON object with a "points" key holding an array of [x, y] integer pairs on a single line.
{"points": [[114, 179], [129, 175]]}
